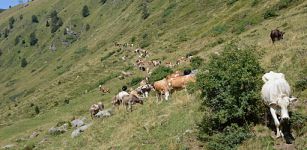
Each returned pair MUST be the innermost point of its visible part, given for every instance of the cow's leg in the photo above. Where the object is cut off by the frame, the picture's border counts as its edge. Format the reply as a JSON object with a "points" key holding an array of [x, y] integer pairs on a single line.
{"points": [[166, 95], [146, 94], [276, 121]]}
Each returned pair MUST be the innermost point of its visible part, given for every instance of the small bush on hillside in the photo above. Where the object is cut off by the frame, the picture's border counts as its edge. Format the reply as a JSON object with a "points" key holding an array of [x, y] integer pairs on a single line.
{"points": [[34, 19], [1, 52], [103, 1], [301, 84], [230, 85], [298, 122], [36, 109], [169, 9], [85, 11], [219, 29], [56, 22], [145, 11], [33, 39], [255, 2], [133, 39], [160, 73], [17, 39], [87, 27], [270, 13], [135, 81], [145, 40], [21, 17], [24, 62], [197, 62], [285, 3], [230, 2], [11, 22], [6, 32]]}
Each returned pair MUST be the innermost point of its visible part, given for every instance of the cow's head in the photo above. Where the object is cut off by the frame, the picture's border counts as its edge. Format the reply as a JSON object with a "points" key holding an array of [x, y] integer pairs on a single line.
{"points": [[282, 35], [282, 103]]}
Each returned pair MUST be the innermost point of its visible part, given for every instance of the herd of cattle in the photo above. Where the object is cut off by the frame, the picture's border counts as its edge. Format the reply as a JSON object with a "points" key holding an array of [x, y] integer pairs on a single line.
{"points": [[275, 92]]}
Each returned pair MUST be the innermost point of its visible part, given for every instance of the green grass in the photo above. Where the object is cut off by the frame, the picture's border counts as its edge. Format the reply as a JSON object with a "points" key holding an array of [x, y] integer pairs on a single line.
{"points": [[173, 29]]}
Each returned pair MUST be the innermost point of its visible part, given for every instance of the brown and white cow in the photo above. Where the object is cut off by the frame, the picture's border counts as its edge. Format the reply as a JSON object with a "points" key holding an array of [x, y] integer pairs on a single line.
{"points": [[95, 108], [104, 89], [129, 100], [162, 88], [180, 82]]}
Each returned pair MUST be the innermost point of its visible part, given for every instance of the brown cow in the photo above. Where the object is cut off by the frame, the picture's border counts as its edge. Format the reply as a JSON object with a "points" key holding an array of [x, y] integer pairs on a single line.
{"points": [[181, 82], [95, 108], [276, 35], [175, 74], [104, 89], [162, 88]]}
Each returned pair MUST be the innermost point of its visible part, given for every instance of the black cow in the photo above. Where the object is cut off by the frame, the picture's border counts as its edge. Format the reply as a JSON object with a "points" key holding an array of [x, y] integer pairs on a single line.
{"points": [[276, 35]]}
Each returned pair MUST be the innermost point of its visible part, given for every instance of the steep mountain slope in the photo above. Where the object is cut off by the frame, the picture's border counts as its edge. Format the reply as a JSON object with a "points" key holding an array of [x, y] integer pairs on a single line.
{"points": [[174, 28]]}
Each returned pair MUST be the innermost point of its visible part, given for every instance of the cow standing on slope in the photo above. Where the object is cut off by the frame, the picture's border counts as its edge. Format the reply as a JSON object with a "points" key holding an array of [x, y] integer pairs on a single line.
{"points": [[276, 93], [276, 35]]}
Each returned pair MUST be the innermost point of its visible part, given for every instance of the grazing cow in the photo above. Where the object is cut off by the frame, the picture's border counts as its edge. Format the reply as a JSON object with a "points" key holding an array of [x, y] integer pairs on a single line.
{"points": [[169, 64], [144, 90], [95, 108], [276, 35], [181, 60], [156, 62], [104, 89], [162, 88], [145, 81], [180, 82], [276, 93], [129, 100], [126, 74]]}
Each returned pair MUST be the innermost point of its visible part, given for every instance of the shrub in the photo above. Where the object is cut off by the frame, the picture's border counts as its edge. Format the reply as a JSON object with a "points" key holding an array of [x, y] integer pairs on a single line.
{"points": [[169, 9], [230, 2], [160, 73], [134, 81], [17, 40], [36, 109], [6, 32], [133, 39], [219, 29], [33, 39], [230, 85], [34, 19], [145, 11], [87, 27], [1, 52], [11, 22], [298, 122], [301, 84], [85, 11], [285, 4], [255, 2], [103, 1], [270, 13], [21, 17], [197, 62], [24, 62], [56, 22]]}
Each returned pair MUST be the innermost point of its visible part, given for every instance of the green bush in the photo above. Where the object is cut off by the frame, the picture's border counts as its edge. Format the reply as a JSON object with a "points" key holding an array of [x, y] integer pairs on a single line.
{"points": [[229, 139], [34, 19], [230, 85], [135, 81], [103, 1], [301, 84], [255, 2], [285, 3], [21, 17], [6, 32], [17, 39], [230, 2], [298, 122], [270, 13], [145, 11], [133, 39], [160, 73], [87, 27], [11, 22], [36, 109], [169, 9], [33, 39], [24, 62], [219, 29], [56, 22], [197, 62], [85, 11]]}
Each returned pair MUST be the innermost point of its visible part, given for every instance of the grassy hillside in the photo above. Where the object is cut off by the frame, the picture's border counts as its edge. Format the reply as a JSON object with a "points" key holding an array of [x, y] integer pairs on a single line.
{"points": [[172, 29]]}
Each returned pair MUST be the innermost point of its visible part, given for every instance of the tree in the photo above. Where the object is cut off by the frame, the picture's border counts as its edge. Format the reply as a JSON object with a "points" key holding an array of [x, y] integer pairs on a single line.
{"points": [[24, 62], [6, 32], [17, 39], [34, 19], [145, 11], [85, 11], [230, 85], [56, 22], [33, 39], [87, 27]]}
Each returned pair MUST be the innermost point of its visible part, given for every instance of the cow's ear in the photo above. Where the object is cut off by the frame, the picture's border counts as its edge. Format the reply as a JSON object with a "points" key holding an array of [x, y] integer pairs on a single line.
{"points": [[293, 99], [283, 33]]}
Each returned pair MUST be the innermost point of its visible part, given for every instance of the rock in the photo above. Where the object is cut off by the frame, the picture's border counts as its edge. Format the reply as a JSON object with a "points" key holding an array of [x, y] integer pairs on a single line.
{"points": [[58, 130], [77, 123], [10, 146], [79, 130], [104, 113], [33, 135]]}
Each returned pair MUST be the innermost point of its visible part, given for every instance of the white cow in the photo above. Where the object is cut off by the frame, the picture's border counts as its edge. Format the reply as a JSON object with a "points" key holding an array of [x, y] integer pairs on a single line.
{"points": [[276, 93]]}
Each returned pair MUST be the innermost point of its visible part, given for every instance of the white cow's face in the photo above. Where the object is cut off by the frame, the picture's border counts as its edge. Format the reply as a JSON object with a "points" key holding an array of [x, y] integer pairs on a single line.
{"points": [[282, 103]]}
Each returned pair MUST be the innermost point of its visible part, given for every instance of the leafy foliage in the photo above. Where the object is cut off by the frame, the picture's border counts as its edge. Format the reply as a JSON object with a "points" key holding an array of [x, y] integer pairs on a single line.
{"points": [[134, 81], [103, 1], [11, 22], [231, 2], [160, 73], [34, 19], [301, 84], [87, 27], [298, 122], [36, 109], [56, 22], [197, 62], [270, 13], [6, 32], [145, 11], [33, 39], [24, 62], [85, 11], [17, 39], [230, 85]]}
